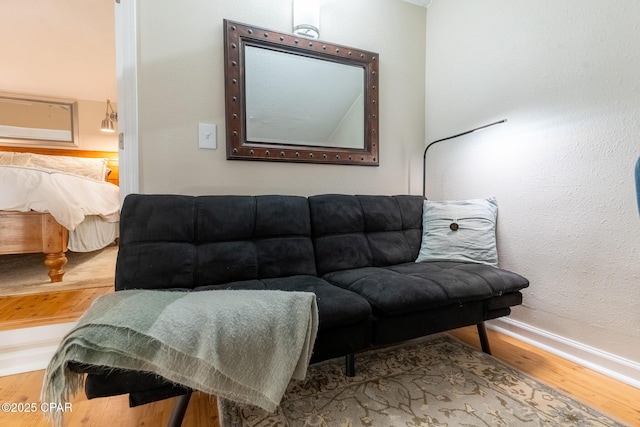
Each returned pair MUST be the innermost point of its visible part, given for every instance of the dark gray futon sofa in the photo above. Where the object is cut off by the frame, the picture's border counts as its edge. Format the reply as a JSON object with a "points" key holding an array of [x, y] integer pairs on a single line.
{"points": [[356, 253]]}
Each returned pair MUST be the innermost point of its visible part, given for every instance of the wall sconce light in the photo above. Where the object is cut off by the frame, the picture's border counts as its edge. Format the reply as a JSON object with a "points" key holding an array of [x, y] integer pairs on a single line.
{"points": [[424, 156], [306, 18], [110, 117]]}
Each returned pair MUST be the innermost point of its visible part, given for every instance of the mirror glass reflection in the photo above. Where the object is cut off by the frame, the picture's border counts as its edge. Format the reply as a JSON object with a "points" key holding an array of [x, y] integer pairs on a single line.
{"points": [[26, 120], [298, 100]]}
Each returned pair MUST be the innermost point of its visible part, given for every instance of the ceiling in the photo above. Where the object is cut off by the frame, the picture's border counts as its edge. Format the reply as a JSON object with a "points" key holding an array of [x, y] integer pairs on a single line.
{"points": [[58, 48]]}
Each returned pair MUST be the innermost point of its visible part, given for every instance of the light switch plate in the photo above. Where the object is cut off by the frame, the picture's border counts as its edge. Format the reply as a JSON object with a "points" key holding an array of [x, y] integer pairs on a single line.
{"points": [[207, 136]]}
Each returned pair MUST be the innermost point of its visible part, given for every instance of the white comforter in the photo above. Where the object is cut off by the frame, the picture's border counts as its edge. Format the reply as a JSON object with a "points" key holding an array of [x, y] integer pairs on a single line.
{"points": [[68, 198]]}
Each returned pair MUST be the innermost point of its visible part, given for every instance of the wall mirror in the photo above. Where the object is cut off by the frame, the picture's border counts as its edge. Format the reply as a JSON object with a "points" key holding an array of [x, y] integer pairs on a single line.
{"points": [[38, 121], [289, 98]]}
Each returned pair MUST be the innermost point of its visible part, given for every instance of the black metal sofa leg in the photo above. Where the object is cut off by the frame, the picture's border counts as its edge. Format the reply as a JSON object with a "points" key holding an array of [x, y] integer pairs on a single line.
{"points": [[350, 369], [179, 410], [484, 339]]}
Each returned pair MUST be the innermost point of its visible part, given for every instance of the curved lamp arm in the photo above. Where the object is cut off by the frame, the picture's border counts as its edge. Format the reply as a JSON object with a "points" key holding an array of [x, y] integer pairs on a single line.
{"points": [[424, 156]]}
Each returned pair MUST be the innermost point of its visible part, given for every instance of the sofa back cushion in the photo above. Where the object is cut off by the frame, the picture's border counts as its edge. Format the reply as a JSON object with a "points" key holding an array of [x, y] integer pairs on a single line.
{"points": [[364, 231], [171, 241]]}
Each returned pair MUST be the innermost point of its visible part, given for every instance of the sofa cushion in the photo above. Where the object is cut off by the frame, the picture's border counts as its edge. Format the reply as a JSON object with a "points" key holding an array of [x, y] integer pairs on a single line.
{"points": [[335, 214], [156, 218], [242, 238], [364, 231], [156, 235], [155, 265], [224, 218], [388, 292], [409, 287], [464, 281], [278, 216], [337, 227], [336, 306], [393, 227]]}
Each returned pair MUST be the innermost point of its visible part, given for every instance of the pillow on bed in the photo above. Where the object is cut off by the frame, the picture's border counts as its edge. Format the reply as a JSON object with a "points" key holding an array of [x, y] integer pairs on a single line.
{"points": [[9, 158], [83, 166], [461, 230], [93, 168]]}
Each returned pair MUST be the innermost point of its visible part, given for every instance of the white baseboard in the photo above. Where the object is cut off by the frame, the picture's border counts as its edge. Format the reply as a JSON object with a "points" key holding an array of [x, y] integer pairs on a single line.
{"points": [[30, 349], [613, 366]]}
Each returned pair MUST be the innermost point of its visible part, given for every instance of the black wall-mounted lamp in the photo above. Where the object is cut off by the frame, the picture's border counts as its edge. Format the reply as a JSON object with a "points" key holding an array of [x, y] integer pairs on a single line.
{"points": [[110, 117], [424, 156]]}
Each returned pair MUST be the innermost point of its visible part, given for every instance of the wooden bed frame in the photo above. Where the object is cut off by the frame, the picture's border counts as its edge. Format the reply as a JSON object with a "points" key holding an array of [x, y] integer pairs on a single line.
{"points": [[34, 232]]}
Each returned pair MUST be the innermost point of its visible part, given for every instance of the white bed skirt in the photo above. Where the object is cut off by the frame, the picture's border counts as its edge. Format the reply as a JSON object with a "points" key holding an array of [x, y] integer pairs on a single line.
{"points": [[93, 234]]}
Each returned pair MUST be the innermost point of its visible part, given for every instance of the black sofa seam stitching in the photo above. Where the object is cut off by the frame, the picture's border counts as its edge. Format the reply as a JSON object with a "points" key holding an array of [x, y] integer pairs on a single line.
{"points": [[365, 233], [254, 239], [402, 225], [195, 242]]}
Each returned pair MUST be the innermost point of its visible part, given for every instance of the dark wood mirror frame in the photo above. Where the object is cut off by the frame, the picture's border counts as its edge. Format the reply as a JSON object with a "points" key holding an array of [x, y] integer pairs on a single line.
{"points": [[236, 37]]}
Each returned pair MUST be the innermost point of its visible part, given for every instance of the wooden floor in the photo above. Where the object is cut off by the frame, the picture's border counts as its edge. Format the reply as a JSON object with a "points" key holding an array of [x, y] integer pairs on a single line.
{"points": [[612, 397], [25, 311]]}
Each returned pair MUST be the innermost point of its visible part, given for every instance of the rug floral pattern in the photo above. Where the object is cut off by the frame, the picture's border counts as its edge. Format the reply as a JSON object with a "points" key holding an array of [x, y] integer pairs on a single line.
{"points": [[439, 382]]}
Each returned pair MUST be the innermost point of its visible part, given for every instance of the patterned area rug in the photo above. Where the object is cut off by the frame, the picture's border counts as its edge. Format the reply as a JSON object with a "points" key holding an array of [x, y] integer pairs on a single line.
{"points": [[26, 273], [435, 382]]}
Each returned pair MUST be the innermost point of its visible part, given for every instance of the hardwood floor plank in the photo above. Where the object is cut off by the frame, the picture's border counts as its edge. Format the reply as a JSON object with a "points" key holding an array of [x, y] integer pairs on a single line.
{"points": [[24, 311], [112, 411]]}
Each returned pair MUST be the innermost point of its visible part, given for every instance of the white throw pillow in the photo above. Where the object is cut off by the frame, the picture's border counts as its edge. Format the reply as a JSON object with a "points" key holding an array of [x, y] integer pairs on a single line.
{"points": [[460, 230]]}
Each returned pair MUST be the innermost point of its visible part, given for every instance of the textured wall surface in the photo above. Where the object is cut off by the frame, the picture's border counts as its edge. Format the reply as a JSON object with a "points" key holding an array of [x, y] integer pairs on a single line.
{"points": [[181, 83], [565, 74]]}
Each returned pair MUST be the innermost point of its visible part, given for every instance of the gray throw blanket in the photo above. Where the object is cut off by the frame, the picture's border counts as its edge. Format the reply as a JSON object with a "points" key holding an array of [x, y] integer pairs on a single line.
{"points": [[244, 346]]}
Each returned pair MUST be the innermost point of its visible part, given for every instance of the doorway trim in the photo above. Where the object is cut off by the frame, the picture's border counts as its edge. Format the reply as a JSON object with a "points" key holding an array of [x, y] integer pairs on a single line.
{"points": [[127, 82]]}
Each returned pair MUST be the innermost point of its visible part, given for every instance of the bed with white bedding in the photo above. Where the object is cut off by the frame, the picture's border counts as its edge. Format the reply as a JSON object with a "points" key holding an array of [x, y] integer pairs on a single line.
{"points": [[51, 203]]}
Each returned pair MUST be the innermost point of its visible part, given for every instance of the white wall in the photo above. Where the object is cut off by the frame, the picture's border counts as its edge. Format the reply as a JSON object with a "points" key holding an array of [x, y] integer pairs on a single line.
{"points": [[566, 75], [181, 80]]}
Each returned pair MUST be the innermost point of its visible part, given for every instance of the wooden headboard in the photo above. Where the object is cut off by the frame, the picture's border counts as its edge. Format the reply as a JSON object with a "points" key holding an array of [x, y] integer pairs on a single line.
{"points": [[111, 156]]}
